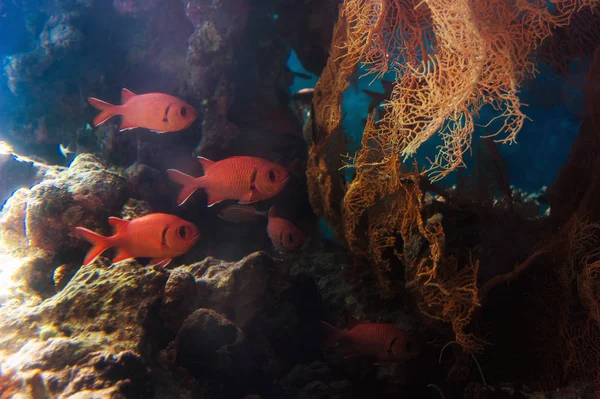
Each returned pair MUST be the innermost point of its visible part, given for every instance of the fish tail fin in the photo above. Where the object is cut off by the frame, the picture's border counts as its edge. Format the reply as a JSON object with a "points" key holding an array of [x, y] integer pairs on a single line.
{"points": [[332, 334], [107, 110], [100, 243], [190, 184]]}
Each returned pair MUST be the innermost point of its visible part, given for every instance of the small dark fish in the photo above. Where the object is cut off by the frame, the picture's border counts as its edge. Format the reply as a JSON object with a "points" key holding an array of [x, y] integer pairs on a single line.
{"points": [[304, 95], [68, 150], [376, 97], [302, 102], [239, 213]]}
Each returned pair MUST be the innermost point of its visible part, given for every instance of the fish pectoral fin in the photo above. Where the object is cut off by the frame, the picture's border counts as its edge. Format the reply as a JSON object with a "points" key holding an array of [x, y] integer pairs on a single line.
{"points": [[117, 224], [159, 262], [249, 197], [126, 95], [122, 254]]}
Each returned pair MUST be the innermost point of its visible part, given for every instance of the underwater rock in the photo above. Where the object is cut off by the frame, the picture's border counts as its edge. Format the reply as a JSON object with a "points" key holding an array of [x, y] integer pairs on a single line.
{"points": [[279, 317], [12, 217], [235, 289], [134, 6], [342, 286], [57, 38], [105, 299], [147, 184], [314, 381], [208, 341], [125, 371], [83, 195], [180, 298], [86, 336], [134, 209], [53, 354], [63, 274], [17, 171], [37, 272], [308, 26], [237, 325], [218, 29], [503, 390]]}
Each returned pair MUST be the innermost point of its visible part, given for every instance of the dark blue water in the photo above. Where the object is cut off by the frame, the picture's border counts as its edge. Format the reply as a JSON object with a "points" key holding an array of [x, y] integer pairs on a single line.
{"points": [[542, 146]]}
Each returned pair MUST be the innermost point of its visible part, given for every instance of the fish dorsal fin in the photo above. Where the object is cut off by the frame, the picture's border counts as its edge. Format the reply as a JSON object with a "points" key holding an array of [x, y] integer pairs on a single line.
{"points": [[206, 163], [117, 224], [126, 95]]}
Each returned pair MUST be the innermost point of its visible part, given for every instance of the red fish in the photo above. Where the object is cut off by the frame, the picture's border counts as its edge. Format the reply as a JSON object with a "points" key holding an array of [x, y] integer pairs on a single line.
{"points": [[283, 234], [158, 236], [154, 111], [242, 178], [238, 213], [384, 341]]}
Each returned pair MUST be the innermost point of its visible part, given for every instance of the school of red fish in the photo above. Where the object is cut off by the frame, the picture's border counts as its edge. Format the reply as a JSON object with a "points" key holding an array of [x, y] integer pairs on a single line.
{"points": [[244, 179]]}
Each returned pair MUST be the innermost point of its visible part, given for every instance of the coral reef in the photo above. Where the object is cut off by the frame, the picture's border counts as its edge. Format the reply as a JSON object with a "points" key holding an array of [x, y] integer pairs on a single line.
{"points": [[82, 194], [498, 286], [106, 329]]}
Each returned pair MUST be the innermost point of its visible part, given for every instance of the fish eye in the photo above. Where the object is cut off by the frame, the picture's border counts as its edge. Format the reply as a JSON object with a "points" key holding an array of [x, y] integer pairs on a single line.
{"points": [[182, 232], [183, 111], [272, 175]]}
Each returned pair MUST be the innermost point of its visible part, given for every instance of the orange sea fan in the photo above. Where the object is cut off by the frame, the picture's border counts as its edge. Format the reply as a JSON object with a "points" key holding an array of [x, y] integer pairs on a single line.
{"points": [[451, 59]]}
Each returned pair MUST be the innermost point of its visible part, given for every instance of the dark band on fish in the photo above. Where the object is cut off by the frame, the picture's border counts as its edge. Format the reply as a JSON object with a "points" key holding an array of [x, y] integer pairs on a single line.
{"points": [[281, 240], [166, 118], [253, 179], [389, 350], [163, 240]]}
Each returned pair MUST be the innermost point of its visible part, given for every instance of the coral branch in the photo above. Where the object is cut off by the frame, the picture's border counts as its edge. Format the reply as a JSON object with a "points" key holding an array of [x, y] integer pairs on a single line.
{"points": [[516, 272]]}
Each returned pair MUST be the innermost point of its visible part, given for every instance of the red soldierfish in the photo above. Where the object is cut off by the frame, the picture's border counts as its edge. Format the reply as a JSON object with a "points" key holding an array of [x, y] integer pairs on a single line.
{"points": [[242, 178], [283, 234], [154, 111], [158, 236], [238, 213], [384, 341]]}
